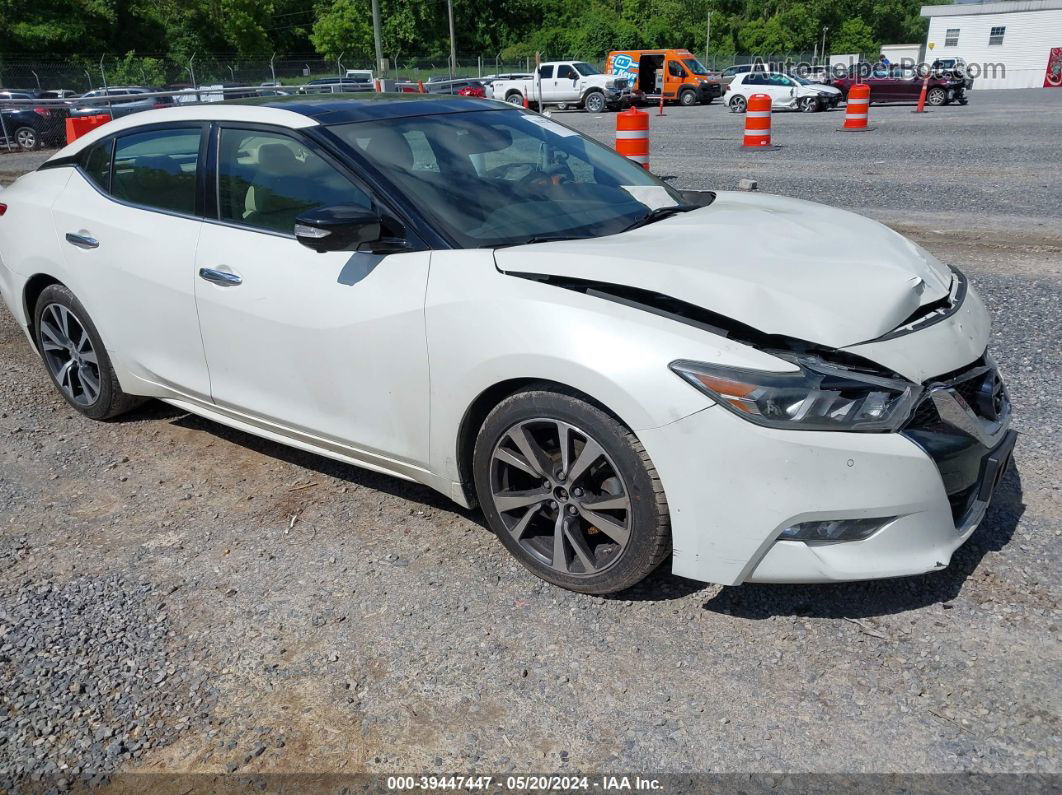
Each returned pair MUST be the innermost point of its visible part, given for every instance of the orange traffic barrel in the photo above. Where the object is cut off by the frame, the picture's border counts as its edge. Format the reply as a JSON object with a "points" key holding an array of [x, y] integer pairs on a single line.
{"points": [[857, 108], [420, 87], [632, 136], [79, 125], [757, 122]]}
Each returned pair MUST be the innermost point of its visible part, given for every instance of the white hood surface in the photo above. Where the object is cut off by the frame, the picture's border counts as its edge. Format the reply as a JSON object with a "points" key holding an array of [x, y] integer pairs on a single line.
{"points": [[783, 266]]}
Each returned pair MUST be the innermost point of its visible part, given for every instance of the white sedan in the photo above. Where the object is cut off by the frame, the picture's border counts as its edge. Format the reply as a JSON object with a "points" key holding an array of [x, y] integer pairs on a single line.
{"points": [[474, 297], [787, 92]]}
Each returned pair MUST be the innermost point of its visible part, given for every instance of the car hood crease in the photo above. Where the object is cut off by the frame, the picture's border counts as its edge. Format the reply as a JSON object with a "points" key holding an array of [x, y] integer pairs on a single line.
{"points": [[783, 266]]}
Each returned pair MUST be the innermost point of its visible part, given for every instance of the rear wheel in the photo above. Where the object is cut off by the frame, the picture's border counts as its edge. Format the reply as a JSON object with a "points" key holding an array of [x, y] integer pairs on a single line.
{"points": [[515, 99], [571, 492], [937, 96], [75, 357], [738, 104], [594, 102], [28, 139]]}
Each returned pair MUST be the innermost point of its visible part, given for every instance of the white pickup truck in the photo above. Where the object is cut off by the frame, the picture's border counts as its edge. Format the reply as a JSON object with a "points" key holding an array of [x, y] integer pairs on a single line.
{"points": [[566, 83]]}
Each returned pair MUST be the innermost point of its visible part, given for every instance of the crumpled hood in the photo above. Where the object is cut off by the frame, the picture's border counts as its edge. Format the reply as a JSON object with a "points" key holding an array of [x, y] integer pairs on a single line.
{"points": [[783, 266]]}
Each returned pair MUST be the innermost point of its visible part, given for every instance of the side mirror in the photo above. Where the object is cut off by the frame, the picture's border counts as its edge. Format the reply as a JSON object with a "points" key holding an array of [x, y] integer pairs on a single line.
{"points": [[343, 227]]}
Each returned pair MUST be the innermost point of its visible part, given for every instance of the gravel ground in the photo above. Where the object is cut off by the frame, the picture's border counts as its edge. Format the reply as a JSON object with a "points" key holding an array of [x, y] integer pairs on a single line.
{"points": [[329, 619]]}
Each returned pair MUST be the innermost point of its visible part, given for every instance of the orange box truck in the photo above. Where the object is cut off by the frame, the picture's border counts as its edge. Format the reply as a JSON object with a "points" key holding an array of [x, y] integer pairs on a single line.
{"points": [[677, 74]]}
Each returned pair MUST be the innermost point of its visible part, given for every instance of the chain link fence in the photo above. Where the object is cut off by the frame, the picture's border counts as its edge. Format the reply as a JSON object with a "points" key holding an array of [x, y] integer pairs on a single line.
{"points": [[38, 96]]}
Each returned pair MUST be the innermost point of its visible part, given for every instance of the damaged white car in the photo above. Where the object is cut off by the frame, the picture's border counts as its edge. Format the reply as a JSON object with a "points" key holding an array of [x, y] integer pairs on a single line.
{"points": [[471, 296]]}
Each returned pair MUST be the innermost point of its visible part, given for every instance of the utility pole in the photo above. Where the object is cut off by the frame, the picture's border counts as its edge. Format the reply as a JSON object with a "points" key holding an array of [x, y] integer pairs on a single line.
{"points": [[823, 51], [453, 46], [707, 35], [378, 37]]}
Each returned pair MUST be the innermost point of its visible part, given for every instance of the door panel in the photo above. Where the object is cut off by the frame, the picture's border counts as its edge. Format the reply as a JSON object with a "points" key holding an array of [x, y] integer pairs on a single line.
{"points": [[137, 284], [328, 344]]}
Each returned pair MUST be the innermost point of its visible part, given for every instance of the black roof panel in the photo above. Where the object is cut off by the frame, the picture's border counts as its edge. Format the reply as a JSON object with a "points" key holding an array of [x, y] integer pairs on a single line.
{"points": [[341, 108]]}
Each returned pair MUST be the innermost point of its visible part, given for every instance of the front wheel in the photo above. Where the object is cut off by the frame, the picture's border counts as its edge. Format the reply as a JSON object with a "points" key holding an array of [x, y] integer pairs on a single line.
{"points": [[75, 357], [594, 102], [571, 492], [738, 104], [937, 96], [688, 98], [808, 105]]}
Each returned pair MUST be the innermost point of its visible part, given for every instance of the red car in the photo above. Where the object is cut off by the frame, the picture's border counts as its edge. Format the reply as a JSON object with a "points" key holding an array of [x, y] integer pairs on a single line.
{"points": [[903, 84]]}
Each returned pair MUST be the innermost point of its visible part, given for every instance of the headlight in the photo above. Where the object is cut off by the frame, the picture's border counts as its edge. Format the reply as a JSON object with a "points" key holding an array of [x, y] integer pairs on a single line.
{"points": [[818, 397]]}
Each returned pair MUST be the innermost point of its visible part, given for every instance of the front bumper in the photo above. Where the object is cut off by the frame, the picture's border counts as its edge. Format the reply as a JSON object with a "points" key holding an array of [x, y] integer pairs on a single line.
{"points": [[733, 487]]}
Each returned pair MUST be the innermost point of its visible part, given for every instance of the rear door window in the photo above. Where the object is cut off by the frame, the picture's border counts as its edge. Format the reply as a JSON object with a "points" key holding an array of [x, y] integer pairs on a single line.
{"points": [[95, 164], [157, 169]]}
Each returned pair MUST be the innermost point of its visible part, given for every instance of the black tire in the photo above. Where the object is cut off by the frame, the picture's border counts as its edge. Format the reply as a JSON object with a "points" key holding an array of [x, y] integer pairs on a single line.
{"points": [[28, 138], [738, 104], [594, 102], [688, 98], [937, 96], [647, 520], [110, 400], [515, 98], [809, 105]]}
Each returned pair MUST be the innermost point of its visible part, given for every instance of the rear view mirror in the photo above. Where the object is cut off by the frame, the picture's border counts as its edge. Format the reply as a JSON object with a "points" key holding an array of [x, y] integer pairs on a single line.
{"points": [[339, 228]]}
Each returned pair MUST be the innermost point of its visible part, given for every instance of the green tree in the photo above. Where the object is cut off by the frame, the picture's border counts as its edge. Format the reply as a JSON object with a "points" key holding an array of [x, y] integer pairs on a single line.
{"points": [[345, 27], [855, 36]]}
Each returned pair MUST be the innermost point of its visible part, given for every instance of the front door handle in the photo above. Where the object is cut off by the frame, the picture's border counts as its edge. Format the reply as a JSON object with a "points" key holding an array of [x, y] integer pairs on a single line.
{"points": [[82, 241], [221, 278]]}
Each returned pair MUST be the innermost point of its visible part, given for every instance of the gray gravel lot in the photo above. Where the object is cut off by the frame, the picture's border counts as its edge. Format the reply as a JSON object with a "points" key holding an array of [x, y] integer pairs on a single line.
{"points": [[308, 616]]}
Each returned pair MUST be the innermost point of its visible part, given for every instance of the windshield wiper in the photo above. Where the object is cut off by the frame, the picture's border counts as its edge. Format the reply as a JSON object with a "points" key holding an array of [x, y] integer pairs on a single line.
{"points": [[660, 213], [540, 239]]}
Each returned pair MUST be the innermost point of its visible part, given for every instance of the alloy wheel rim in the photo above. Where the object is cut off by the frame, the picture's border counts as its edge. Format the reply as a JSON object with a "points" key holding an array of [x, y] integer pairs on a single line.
{"points": [[560, 496], [27, 139], [69, 354]]}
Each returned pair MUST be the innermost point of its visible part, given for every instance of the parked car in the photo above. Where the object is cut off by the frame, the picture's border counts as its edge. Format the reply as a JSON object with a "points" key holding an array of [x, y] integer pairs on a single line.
{"points": [[904, 84], [32, 127], [335, 85], [564, 84], [675, 74], [954, 68], [786, 92], [726, 77], [17, 93], [459, 87], [516, 316], [360, 76], [118, 101]]}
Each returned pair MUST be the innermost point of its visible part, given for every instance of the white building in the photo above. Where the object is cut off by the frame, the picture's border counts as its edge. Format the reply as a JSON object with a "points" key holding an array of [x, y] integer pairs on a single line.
{"points": [[1019, 35]]}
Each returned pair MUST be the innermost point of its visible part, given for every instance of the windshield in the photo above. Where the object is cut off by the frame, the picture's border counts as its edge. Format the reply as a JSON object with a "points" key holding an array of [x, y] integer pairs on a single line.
{"points": [[802, 80], [695, 66], [586, 69], [490, 178]]}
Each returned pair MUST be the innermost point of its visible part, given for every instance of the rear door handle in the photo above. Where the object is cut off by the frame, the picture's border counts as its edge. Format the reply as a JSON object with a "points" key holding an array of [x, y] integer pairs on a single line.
{"points": [[221, 278], [82, 241]]}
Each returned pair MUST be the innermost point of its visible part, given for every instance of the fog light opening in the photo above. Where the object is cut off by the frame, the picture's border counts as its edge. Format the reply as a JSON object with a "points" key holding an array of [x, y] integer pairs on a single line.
{"points": [[835, 530]]}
